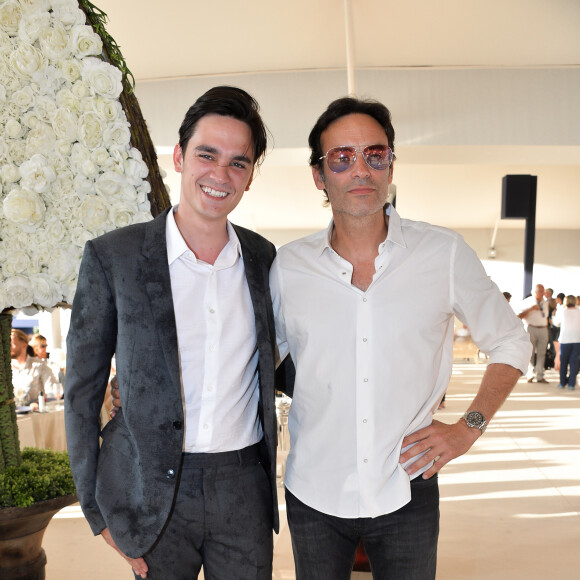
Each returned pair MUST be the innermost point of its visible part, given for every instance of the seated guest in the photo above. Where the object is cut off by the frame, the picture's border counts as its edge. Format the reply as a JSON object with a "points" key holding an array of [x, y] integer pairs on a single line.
{"points": [[30, 375]]}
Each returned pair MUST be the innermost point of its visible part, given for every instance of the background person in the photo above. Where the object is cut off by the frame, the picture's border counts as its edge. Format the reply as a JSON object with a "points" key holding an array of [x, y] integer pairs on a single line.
{"points": [[569, 321], [534, 310]]}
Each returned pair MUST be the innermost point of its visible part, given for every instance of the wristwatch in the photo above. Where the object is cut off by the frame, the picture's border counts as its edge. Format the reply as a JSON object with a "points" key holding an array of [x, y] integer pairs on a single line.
{"points": [[475, 419]]}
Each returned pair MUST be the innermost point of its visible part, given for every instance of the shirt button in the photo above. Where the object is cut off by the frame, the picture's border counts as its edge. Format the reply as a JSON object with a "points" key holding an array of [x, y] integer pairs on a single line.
{"points": [[364, 299], [170, 474], [365, 460], [364, 420], [212, 311], [364, 339], [211, 348], [366, 380], [177, 425], [206, 426]]}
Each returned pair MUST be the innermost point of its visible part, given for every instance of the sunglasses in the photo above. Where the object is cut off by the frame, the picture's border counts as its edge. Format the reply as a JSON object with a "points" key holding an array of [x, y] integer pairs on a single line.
{"points": [[339, 159]]}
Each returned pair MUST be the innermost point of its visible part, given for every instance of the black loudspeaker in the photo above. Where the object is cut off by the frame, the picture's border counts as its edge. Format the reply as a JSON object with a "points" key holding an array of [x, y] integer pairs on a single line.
{"points": [[518, 196]]}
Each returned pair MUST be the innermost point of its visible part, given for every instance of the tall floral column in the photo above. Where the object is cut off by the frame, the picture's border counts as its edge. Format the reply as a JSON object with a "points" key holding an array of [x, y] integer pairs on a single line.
{"points": [[76, 160]]}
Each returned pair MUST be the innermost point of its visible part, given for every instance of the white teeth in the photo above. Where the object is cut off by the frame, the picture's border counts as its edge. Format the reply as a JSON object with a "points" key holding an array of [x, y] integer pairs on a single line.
{"points": [[214, 192]]}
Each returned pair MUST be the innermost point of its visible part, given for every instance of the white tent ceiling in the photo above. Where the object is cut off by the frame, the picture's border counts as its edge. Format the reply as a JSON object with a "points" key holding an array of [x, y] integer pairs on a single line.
{"points": [[478, 89]]}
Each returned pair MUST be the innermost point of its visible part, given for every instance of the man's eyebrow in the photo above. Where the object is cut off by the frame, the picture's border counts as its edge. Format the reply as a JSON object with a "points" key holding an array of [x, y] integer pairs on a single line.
{"points": [[214, 151]]}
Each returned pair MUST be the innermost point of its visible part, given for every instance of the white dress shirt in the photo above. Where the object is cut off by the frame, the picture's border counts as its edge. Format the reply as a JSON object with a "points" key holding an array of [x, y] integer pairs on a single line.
{"points": [[218, 352], [372, 367], [535, 317], [568, 320]]}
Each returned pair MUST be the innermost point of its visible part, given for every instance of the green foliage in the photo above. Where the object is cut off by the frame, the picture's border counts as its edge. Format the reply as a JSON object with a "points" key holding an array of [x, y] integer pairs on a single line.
{"points": [[44, 474]]}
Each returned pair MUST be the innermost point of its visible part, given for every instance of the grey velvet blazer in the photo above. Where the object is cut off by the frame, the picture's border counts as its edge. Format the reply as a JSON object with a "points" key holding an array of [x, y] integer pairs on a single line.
{"points": [[123, 306]]}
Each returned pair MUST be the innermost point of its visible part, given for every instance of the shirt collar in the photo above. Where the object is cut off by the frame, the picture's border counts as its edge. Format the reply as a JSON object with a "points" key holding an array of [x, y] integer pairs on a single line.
{"points": [[176, 245], [394, 235]]}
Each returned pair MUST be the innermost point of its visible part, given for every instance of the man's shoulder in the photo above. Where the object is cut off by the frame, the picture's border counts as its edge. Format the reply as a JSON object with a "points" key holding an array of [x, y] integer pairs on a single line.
{"points": [[254, 241], [311, 243]]}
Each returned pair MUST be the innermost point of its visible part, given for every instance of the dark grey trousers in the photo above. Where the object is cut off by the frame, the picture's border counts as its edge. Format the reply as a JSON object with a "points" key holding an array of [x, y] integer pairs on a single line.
{"points": [[222, 520]]}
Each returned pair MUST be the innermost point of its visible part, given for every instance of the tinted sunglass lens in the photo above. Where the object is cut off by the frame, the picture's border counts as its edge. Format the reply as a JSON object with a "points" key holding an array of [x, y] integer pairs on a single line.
{"points": [[340, 159], [377, 157]]}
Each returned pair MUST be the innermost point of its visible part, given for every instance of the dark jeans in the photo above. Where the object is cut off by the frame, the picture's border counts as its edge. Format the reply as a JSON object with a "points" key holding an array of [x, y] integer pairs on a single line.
{"points": [[569, 355], [222, 519], [400, 546]]}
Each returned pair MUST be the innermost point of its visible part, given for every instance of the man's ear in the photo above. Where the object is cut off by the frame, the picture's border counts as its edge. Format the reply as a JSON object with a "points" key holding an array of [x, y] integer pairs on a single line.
{"points": [[318, 176], [250, 181], [178, 158]]}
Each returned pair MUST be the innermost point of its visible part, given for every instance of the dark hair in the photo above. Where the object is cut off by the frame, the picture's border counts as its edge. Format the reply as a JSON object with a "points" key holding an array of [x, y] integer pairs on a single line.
{"points": [[561, 296], [228, 102], [341, 108]]}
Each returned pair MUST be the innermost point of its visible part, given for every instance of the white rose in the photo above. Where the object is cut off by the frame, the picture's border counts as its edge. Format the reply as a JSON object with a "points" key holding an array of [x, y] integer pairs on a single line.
{"points": [[64, 123], [71, 70], [109, 184], [24, 208], [80, 89], [19, 292], [100, 156], [45, 108], [103, 79], [68, 13], [117, 133], [61, 266], [68, 290], [16, 151], [144, 214], [41, 139], [16, 262], [23, 98], [26, 59], [90, 130], [54, 231], [85, 42], [10, 15], [47, 81], [63, 148], [9, 173], [31, 119], [46, 291], [135, 169], [3, 297], [53, 42], [108, 109], [83, 186], [66, 99], [94, 213], [79, 154], [31, 23], [37, 174], [13, 128], [122, 213]]}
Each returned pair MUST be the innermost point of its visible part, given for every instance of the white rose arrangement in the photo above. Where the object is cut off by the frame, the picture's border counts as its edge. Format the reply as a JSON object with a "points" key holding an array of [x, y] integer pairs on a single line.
{"points": [[68, 172]]}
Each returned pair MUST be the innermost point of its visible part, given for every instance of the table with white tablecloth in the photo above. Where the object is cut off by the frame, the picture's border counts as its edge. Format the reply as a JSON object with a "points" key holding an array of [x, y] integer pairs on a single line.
{"points": [[43, 430]]}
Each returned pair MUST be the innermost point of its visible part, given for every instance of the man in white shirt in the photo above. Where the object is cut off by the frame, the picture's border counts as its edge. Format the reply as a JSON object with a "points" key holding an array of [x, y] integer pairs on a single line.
{"points": [[534, 311], [185, 476], [365, 309], [30, 375]]}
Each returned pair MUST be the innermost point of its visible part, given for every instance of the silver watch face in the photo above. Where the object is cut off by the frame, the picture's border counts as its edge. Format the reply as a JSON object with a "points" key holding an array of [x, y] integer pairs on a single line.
{"points": [[475, 419]]}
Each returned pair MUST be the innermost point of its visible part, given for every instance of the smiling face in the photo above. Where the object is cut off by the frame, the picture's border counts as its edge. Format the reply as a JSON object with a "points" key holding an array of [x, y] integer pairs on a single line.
{"points": [[360, 190], [216, 167]]}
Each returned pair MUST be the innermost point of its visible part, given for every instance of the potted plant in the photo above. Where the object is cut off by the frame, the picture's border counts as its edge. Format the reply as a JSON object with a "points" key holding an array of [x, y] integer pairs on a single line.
{"points": [[78, 161]]}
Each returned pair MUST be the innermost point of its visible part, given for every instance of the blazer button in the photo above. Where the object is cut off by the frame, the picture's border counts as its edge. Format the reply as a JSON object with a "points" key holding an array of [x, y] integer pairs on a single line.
{"points": [[177, 425], [170, 474]]}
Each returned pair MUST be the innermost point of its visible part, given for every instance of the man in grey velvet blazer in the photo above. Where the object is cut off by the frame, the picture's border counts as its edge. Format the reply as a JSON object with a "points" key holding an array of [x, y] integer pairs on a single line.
{"points": [[168, 503]]}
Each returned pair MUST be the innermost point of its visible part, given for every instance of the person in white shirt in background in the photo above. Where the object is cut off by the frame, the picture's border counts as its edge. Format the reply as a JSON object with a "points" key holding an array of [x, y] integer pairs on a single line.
{"points": [[569, 321], [534, 311], [39, 345], [30, 375], [365, 449]]}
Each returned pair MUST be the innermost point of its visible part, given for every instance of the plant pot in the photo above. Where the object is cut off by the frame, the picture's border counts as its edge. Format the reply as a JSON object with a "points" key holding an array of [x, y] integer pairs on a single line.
{"points": [[21, 533]]}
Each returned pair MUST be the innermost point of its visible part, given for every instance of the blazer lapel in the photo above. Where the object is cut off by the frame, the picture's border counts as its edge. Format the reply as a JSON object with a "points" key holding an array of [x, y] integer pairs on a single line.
{"points": [[157, 283]]}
